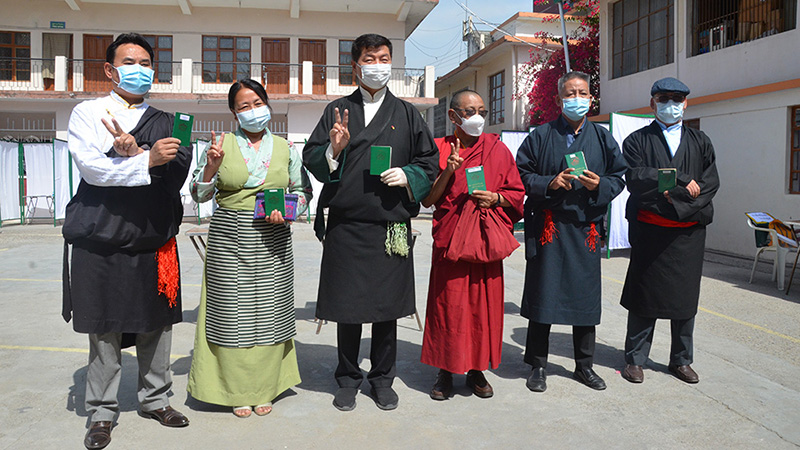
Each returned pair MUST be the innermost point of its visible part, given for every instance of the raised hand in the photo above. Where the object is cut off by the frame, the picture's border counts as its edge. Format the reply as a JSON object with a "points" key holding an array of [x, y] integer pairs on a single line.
{"points": [[563, 180], [214, 156], [454, 161], [164, 151], [124, 143], [340, 134], [589, 179]]}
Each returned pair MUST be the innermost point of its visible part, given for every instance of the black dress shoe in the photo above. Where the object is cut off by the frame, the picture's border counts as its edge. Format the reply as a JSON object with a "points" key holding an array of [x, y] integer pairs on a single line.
{"points": [[477, 382], [537, 380], [685, 373], [633, 373], [345, 399], [98, 436], [443, 387], [168, 417], [589, 378], [385, 397]]}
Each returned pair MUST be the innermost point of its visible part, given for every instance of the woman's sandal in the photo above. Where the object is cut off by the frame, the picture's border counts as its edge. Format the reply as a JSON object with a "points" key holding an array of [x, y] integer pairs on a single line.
{"points": [[263, 410], [242, 412]]}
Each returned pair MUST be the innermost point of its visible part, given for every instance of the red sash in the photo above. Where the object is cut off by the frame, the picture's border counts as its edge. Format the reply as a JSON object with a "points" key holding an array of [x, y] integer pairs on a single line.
{"points": [[654, 219]]}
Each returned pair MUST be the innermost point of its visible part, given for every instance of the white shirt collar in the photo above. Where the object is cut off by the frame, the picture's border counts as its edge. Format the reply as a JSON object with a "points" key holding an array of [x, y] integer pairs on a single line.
{"points": [[368, 98], [115, 97]]}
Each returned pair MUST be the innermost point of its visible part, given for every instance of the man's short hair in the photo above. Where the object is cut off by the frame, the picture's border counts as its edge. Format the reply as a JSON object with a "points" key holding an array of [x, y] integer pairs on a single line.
{"points": [[455, 102], [128, 38], [367, 41], [571, 76]]}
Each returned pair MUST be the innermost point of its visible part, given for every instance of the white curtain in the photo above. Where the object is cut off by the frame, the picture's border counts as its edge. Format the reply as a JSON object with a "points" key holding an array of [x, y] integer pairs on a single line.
{"points": [[62, 177], [513, 139], [9, 180], [76, 177], [621, 126], [39, 175]]}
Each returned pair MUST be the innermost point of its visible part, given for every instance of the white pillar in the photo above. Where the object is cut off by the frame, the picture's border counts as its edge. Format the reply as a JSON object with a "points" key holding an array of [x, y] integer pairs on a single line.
{"points": [[186, 75], [308, 78], [61, 74], [430, 81]]}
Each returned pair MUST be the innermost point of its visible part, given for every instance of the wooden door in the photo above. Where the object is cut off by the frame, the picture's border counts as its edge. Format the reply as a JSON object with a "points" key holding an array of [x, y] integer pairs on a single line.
{"points": [[94, 55], [314, 51], [56, 44], [275, 59]]}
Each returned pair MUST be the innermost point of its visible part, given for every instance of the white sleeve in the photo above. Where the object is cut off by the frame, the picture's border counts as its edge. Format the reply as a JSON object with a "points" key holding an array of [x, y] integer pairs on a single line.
{"points": [[333, 164], [84, 144]]}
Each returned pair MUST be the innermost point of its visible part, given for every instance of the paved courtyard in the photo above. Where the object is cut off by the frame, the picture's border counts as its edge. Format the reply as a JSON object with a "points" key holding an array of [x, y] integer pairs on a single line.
{"points": [[747, 353]]}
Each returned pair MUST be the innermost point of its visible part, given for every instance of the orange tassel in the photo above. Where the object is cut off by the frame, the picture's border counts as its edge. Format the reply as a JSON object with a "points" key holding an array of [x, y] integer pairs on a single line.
{"points": [[549, 231], [169, 274], [591, 238]]}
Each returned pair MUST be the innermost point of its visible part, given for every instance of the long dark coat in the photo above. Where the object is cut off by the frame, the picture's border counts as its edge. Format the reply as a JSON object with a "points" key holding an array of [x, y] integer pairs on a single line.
{"points": [[666, 263], [359, 281], [562, 277]]}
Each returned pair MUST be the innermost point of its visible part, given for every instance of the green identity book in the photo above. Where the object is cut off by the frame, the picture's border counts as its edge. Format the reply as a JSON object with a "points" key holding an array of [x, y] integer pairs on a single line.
{"points": [[475, 179], [380, 159], [182, 128], [576, 161], [667, 179], [274, 199]]}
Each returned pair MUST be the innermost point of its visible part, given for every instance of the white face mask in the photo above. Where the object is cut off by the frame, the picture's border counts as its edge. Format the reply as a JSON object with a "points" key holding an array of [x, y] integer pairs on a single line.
{"points": [[472, 126], [670, 112], [375, 76]]}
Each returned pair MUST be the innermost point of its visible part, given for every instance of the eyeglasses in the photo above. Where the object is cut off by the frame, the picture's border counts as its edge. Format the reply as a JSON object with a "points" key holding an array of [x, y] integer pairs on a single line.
{"points": [[664, 98], [471, 112]]}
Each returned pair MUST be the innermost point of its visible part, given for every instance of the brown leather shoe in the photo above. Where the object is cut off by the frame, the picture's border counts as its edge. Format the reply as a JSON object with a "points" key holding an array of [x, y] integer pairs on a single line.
{"points": [[633, 373], [443, 387], [167, 417], [685, 373], [98, 436], [477, 382]]}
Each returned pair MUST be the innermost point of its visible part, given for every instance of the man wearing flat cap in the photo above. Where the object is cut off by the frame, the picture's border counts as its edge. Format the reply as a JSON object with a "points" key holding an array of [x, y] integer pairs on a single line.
{"points": [[672, 178]]}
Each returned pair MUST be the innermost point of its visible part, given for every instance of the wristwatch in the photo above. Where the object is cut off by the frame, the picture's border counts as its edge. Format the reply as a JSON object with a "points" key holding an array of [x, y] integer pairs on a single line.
{"points": [[498, 200]]}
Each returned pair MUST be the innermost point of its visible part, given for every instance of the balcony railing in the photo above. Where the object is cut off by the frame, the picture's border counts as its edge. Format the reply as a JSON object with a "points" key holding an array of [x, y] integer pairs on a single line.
{"points": [[190, 77]]}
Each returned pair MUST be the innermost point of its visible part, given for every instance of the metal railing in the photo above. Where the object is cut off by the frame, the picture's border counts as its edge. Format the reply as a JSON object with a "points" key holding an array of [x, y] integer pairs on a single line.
{"points": [[88, 75]]}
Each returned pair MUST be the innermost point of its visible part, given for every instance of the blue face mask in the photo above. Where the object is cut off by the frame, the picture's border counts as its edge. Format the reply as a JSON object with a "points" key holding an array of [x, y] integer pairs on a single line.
{"points": [[575, 108], [254, 120], [670, 112], [135, 79]]}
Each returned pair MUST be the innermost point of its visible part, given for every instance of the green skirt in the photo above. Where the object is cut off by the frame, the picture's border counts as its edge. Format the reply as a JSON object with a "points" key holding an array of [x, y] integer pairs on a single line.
{"points": [[239, 376]]}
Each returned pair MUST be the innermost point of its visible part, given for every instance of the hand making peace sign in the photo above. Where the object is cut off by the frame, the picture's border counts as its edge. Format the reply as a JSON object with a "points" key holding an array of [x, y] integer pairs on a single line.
{"points": [[124, 143], [213, 157], [454, 161], [339, 134]]}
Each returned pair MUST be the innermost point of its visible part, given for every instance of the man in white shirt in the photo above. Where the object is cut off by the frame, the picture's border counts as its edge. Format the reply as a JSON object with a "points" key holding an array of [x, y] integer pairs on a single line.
{"points": [[367, 273], [122, 282]]}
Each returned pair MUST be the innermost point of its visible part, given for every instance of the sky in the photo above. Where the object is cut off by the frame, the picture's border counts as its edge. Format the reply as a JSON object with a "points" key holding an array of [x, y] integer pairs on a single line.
{"points": [[437, 40]]}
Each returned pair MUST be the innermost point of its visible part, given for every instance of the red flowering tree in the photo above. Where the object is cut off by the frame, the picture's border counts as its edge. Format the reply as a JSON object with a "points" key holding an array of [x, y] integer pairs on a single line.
{"points": [[540, 75]]}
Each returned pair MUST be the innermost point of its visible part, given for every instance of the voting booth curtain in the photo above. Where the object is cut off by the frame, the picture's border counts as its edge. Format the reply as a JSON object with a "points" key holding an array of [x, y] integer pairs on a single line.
{"points": [[621, 126]]}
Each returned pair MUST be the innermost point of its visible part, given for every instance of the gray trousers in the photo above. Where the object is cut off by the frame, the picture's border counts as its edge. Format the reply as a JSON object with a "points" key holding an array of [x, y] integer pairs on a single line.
{"points": [[105, 371], [639, 339]]}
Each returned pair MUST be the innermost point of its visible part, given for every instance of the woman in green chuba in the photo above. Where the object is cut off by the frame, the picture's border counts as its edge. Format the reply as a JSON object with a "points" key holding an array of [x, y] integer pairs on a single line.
{"points": [[244, 353]]}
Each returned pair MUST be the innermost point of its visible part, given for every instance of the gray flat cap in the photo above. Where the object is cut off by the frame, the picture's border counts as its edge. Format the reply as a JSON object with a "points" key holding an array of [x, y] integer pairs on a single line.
{"points": [[669, 84]]}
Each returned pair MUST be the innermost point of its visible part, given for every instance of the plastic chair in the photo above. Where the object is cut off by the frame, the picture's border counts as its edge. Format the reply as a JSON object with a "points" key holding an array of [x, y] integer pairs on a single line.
{"points": [[779, 243]]}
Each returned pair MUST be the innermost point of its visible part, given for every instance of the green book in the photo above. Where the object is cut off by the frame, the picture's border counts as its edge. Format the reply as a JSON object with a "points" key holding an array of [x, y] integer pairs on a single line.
{"points": [[380, 159], [576, 161], [475, 179], [274, 199], [667, 179], [182, 128]]}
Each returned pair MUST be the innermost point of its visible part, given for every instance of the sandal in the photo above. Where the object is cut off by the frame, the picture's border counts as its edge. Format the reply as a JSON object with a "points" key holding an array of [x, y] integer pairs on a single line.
{"points": [[242, 412], [263, 410]]}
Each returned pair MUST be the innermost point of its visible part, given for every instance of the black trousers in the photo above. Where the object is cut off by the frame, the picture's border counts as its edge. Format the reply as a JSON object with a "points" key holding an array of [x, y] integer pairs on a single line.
{"points": [[383, 354], [639, 340], [537, 345]]}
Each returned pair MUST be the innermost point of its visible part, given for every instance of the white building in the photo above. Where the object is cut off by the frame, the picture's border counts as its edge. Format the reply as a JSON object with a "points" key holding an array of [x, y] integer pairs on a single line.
{"points": [[739, 59], [492, 69], [51, 54]]}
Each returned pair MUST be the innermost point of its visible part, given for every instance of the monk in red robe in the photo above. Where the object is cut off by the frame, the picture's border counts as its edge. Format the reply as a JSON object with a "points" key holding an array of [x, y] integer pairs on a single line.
{"points": [[472, 233]]}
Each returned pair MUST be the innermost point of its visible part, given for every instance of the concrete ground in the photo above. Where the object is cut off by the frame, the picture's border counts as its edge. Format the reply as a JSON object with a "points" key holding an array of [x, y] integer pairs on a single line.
{"points": [[747, 353]]}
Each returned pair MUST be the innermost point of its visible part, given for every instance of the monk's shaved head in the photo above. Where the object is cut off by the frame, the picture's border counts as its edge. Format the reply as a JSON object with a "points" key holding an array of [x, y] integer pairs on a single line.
{"points": [[458, 98]]}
